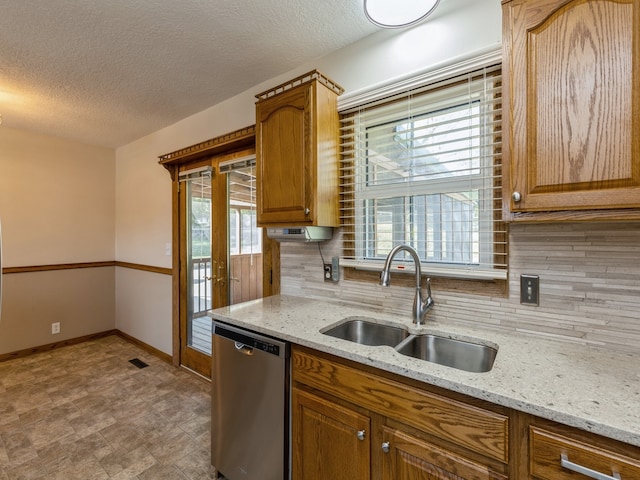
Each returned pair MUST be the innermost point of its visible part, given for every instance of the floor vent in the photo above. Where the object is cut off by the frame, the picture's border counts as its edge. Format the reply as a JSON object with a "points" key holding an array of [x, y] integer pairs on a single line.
{"points": [[138, 363]]}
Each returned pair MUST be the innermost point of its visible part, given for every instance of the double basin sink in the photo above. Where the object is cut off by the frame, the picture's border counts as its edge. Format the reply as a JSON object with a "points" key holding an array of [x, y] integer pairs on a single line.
{"points": [[463, 355]]}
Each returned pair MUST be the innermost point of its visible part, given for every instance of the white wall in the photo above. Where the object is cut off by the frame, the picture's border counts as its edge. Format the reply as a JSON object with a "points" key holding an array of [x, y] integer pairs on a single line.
{"points": [[391, 55], [143, 215]]}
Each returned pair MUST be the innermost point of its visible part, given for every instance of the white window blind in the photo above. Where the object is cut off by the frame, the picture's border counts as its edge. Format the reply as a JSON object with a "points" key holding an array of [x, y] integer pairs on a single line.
{"points": [[423, 168]]}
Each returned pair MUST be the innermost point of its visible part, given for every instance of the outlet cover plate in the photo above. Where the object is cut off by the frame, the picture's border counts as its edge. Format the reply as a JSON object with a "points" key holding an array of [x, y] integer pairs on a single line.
{"points": [[328, 272]]}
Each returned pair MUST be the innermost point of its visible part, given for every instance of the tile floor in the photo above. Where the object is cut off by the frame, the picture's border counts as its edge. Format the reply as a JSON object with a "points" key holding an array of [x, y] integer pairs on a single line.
{"points": [[85, 412]]}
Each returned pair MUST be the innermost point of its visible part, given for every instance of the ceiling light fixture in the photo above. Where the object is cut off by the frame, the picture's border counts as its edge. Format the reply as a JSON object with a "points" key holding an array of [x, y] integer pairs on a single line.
{"points": [[398, 13]]}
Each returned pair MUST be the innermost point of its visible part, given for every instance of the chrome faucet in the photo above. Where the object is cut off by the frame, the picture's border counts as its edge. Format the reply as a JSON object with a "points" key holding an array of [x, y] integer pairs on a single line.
{"points": [[420, 306]]}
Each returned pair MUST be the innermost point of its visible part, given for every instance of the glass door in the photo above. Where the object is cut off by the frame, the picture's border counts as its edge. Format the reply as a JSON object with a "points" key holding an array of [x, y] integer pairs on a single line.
{"points": [[197, 268], [245, 238], [221, 258]]}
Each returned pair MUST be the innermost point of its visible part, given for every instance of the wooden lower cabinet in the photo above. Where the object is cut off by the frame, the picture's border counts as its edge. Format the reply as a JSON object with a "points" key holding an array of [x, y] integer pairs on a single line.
{"points": [[349, 424], [329, 441], [405, 457]]}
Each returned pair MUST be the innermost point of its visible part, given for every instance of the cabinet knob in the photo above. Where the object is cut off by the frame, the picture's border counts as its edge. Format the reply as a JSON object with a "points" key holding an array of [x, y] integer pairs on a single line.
{"points": [[307, 211], [516, 197], [386, 446], [361, 434]]}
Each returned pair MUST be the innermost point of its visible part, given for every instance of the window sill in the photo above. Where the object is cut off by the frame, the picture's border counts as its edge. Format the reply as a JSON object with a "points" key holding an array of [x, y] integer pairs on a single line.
{"points": [[461, 273], [496, 287]]}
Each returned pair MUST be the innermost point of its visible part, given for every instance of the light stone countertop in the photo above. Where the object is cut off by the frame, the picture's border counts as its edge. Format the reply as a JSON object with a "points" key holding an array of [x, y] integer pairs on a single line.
{"points": [[584, 387]]}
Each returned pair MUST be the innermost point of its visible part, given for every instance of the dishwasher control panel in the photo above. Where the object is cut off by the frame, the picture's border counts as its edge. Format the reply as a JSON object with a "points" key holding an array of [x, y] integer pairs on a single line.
{"points": [[264, 346], [249, 341]]}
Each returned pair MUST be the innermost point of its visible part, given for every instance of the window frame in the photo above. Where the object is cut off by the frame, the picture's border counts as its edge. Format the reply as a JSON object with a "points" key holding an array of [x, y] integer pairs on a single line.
{"points": [[354, 235]]}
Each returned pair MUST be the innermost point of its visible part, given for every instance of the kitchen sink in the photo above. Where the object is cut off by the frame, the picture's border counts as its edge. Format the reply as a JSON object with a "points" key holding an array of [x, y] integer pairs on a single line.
{"points": [[462, 355], [365, 332]]}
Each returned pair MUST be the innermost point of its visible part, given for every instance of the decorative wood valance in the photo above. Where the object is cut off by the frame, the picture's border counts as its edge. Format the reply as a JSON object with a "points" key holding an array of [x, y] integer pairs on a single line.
{"points": [[245, 137], [307, 77]]}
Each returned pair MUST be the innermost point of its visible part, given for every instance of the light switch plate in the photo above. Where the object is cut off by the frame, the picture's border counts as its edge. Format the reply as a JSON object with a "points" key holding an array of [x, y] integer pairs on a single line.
{"points": [[530, 290], [335, 267]]}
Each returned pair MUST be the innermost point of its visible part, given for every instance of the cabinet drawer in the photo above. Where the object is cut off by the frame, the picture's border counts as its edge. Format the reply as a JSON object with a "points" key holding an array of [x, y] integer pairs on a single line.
{"points": [[471, 427], [548, 449]]}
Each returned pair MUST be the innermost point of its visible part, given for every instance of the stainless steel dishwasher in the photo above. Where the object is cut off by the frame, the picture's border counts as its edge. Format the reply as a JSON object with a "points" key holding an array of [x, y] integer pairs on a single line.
{"points": [[249, 405]]}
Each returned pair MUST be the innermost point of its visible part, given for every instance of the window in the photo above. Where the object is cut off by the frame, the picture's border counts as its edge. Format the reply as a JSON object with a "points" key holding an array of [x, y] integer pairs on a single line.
{"points": [[245, 237], [423, 169]]}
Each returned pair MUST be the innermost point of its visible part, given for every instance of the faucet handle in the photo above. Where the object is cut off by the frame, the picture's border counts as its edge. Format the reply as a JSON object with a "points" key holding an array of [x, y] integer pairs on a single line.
{"points": [[429, 300]]}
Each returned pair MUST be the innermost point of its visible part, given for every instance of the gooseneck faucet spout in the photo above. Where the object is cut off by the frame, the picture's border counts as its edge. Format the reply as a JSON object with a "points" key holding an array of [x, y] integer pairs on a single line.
{"points": [[420, 306]]}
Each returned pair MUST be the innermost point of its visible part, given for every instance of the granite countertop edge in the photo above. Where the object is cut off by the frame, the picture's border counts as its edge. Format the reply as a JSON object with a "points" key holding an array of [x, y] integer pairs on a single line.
{"points": [[589, 388]]}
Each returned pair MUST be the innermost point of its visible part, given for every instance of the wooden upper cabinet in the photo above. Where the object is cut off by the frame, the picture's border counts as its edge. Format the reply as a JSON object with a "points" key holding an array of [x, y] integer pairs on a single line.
{"points": [[297, 138], [572, 97]]}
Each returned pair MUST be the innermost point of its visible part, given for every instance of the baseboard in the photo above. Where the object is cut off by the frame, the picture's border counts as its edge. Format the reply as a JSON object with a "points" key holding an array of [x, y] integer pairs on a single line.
{"points": [[145, 346], [94, 336], [52, 346]]}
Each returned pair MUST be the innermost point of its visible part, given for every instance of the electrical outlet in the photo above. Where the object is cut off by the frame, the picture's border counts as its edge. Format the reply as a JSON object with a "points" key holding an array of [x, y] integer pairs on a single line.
{"points": [[55, 328], [530, 290], [328, 272]]}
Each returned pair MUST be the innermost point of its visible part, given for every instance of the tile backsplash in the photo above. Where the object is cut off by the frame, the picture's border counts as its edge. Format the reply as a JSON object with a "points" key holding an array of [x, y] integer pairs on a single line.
{"points": [[589, 285]]}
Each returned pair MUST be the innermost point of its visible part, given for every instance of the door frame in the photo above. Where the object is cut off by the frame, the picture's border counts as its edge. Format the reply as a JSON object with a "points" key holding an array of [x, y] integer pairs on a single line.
{"points": [[226, 144]]}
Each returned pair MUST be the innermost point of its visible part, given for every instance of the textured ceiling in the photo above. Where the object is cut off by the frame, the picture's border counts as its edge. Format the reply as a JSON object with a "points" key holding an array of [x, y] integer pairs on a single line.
{"points": [[109, 72]]}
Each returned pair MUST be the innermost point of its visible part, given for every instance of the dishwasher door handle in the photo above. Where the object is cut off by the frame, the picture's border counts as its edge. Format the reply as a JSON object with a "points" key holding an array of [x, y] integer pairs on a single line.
{"points": [[243, 349]]}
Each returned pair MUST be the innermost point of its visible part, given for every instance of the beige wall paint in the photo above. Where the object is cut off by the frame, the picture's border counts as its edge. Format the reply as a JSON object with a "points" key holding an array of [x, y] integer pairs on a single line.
{"points": [[144, 312], [57, 205], [143, 209], [82, 300], [143, 230], [57, 200]]}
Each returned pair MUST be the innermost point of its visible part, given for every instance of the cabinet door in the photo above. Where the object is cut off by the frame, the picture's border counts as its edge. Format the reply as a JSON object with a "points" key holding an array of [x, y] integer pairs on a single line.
{"points": [[572, 69], [405, 457], [285, 158], [329, 441]]}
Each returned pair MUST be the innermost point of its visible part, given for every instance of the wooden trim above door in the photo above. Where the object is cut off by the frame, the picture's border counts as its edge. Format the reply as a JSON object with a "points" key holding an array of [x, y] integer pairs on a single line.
{"points": [[242, 138]]}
